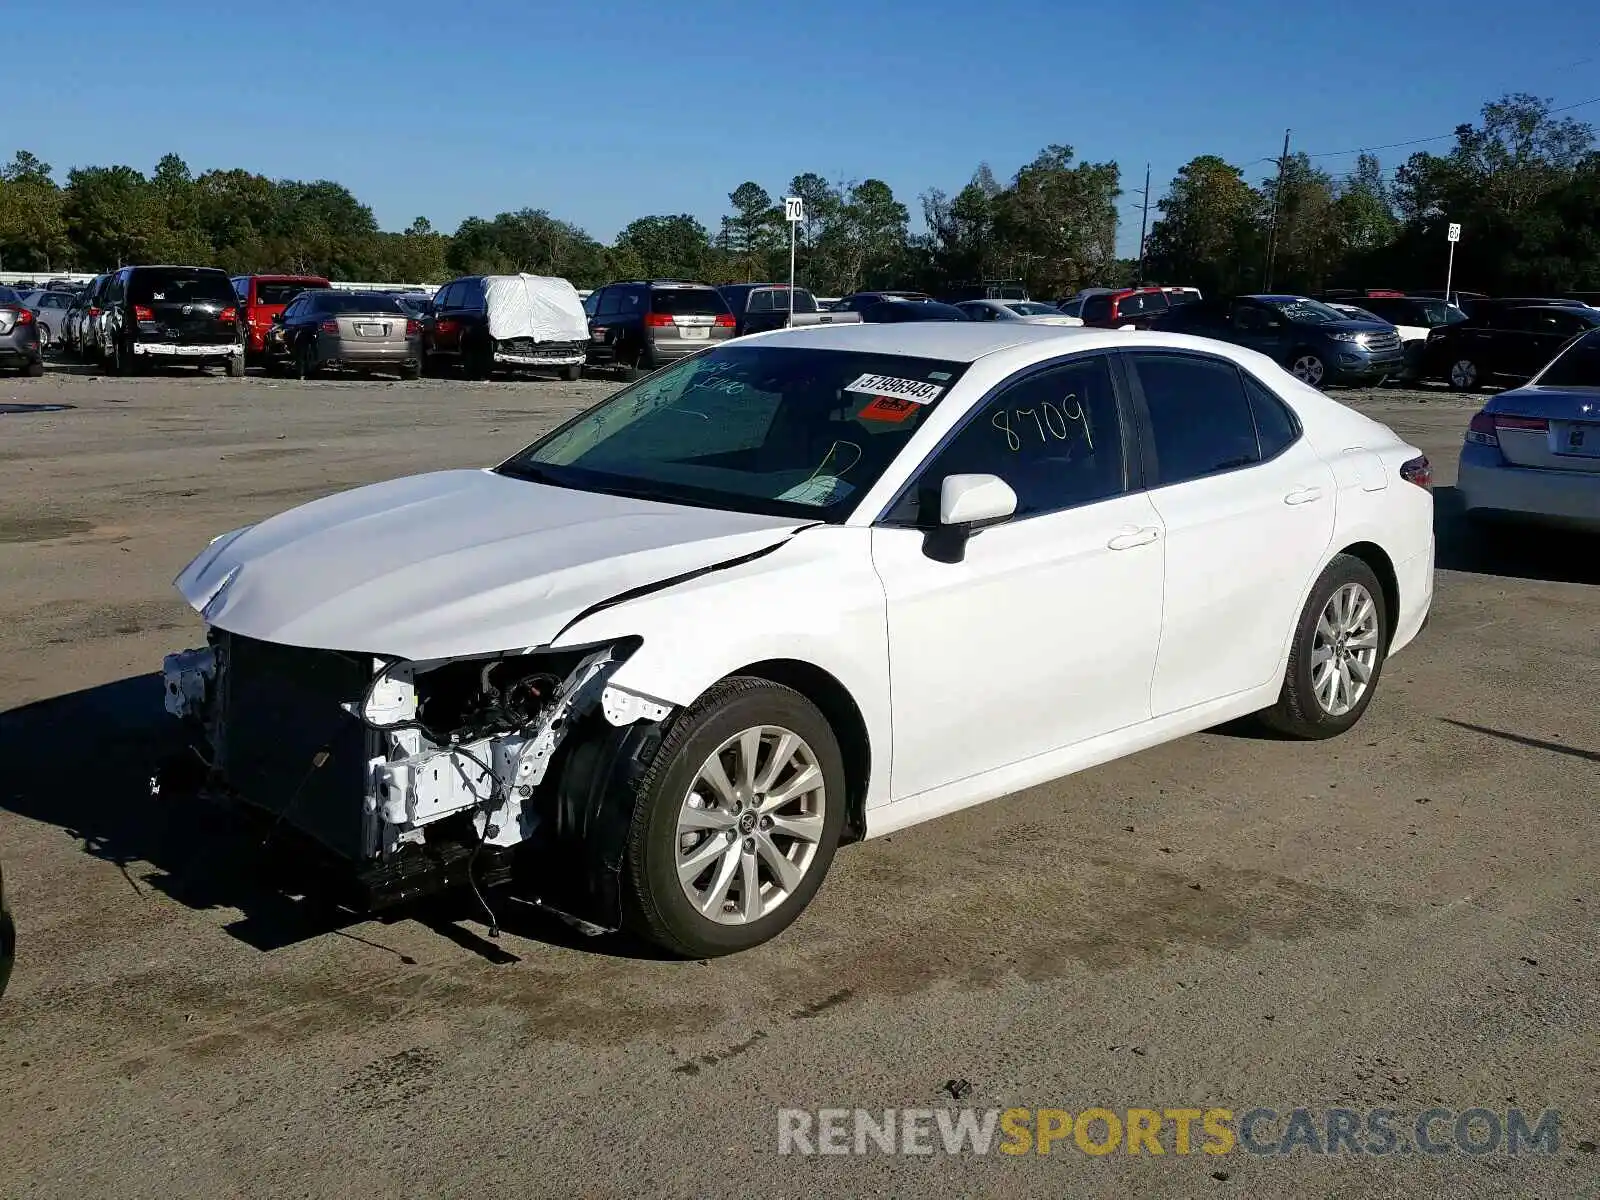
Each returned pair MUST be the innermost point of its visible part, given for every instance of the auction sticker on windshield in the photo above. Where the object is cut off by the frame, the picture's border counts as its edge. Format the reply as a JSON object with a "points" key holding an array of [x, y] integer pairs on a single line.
{"points": [[902, 389]]}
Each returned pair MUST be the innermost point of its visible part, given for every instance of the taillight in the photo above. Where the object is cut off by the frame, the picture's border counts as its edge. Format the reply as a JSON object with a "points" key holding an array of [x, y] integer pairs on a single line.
{"points": [[1481, 431], [1418, 471], [1527, 424], [94, 312], [329, 327], [24, 317], [229, 314], [412, 328], [725, 321], [659, 320], [143, 312], [444, 326]]}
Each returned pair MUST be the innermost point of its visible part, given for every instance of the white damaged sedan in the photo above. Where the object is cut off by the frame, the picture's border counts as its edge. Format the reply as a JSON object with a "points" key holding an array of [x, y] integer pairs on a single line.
{"points": [[807, 587]]}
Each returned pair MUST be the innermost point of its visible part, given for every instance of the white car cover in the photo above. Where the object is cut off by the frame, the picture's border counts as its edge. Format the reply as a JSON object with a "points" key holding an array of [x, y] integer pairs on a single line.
{"points": [[542, 307]]}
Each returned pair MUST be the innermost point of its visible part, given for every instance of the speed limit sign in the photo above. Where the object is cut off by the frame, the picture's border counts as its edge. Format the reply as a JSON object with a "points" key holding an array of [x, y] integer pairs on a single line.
{"points": [[1453, 234]]}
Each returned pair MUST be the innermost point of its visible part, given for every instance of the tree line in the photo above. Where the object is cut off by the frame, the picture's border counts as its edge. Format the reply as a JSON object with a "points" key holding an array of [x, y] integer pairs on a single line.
{"points": [[1523, 180]]}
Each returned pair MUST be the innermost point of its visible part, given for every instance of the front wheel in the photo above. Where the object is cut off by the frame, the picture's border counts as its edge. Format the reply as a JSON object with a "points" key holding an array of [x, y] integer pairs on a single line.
{"points": [[1464, 376], [736, 821], [1337, 657], [1307, 366]]}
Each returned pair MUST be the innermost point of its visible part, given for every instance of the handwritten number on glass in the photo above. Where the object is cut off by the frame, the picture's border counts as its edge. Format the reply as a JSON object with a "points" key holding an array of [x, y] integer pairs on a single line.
{"points": [[1051, 422]]}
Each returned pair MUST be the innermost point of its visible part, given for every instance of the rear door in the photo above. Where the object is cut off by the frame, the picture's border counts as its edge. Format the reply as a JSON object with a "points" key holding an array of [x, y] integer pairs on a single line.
{"points": [[1248, 509], [184, 305], [1257, 326], [682, 320], [446, 338]]}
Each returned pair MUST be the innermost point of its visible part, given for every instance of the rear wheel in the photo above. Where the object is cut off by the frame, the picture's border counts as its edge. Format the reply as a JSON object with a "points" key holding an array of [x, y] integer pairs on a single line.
{"points": [[411, 371], [736, 821], [305, 360], [236, 366], [33, 370], [478, 361], [1339, 646], [1464, 375], [572, 374], [121, 358]]}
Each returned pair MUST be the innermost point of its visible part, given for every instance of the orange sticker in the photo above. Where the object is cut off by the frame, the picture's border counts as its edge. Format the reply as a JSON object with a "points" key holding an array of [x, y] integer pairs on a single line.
{"points": [[887, 408]]}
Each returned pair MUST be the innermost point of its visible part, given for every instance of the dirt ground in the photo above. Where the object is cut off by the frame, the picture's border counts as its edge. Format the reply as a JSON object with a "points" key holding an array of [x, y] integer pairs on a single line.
{"points": [[1401, 918]]}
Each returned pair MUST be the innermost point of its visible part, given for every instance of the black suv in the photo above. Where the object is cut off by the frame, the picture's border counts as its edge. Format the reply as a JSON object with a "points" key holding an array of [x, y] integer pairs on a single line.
{"points": [[1502, 343], [171, 315], [641, 324], [1319, 345]]}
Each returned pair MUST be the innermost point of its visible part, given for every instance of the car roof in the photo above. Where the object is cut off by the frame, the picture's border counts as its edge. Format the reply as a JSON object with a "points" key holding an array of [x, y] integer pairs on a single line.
{"points": [[955, 341]]}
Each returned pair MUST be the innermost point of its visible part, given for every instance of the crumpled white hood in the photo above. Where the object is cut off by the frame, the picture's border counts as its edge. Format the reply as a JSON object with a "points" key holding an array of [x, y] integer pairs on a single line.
{"points": [[453, 563]]}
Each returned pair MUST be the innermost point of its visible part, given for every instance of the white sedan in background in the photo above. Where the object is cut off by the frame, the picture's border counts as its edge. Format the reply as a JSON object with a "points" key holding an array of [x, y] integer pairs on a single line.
{"points": [[1029, 312], [804, 588]]}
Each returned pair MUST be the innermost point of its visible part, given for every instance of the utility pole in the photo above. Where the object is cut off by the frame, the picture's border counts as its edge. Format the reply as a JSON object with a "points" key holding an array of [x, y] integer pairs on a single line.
{"points": [[1277, 201], [1144, 218]]}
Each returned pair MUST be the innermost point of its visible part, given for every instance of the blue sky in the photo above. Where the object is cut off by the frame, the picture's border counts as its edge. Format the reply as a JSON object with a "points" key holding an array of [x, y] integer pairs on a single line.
{"points": [[601, 113]]}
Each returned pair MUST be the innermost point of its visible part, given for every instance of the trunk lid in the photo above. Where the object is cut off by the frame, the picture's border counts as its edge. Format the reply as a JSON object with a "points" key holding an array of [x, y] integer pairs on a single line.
{"points": [[1567, 440]]}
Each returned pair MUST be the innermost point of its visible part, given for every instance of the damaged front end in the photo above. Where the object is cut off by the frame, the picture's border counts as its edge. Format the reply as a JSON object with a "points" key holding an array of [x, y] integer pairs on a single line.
{"points": [[403, 778]]}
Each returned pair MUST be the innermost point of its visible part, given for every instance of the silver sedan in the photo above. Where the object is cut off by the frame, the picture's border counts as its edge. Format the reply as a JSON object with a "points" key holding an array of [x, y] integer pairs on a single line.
{"points": [[1030, 312]]}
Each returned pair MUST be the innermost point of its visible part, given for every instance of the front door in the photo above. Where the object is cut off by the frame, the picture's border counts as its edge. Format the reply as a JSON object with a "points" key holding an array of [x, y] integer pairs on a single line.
{"points": [[1044, 633]]}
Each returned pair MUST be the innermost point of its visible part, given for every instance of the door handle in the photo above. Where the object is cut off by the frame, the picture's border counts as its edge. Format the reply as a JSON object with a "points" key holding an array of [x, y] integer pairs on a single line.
{"points": [[1303, 495], [1134, 537]]}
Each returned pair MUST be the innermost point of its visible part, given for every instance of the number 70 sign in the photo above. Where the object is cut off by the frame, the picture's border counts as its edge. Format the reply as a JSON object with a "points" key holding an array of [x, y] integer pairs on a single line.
{"points": [[794, 208]]}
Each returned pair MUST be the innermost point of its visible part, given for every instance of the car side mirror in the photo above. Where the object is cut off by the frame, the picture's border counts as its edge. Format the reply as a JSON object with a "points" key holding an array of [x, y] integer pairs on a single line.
{"points": [[967, 504]]}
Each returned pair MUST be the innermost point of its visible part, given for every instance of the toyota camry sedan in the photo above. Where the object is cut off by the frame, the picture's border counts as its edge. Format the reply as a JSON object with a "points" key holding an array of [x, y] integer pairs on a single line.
{"points": [[804, 588]]}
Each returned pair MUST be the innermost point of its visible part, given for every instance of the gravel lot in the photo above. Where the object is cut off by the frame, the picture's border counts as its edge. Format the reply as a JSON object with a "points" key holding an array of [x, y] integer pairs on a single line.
{"points": [[1401, 918]]}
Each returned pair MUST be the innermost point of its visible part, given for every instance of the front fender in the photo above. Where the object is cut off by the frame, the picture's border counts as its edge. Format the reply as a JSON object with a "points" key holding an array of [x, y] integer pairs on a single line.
{"points": [[816, 600]]}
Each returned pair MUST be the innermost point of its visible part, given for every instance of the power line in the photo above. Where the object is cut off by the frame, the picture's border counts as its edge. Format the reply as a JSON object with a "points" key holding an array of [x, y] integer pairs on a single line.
{"points": [[1435, 138]]}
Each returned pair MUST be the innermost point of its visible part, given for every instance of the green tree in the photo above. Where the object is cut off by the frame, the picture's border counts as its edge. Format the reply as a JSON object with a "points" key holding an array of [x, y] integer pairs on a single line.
{"points": [[665, 247], [1208, 234], [755, 231], [1057, 222], [33, 230]]}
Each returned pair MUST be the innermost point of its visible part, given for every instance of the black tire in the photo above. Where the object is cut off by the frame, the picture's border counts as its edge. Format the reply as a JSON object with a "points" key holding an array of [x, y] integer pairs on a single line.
{"points": [[305, 361], [654, 904], [478, 361], [33, 370], [121, 360], [411, 371], [572, 374], [1463, 375], [236, 367], [1298, 713]]}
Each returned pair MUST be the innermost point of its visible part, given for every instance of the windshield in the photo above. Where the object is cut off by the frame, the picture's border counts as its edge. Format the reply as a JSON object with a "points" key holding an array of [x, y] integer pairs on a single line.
{"points": [[1576, 366], [1310, 312], [1029, 308], [181, 287], [7, 296], [281, 293], [785, 431]]}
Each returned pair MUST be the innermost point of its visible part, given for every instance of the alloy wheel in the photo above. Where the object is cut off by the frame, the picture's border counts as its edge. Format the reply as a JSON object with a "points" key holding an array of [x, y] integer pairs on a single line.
{"points": [[1464, 373], [749, 828], [1344, 649], [1308, 368]]}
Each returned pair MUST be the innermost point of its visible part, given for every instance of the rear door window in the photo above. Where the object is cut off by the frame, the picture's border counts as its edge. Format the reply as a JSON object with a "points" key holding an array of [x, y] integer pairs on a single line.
{"points": [[1155, 302], [688, 302], [1097, 308], [1276, 427], [1200, 420]]}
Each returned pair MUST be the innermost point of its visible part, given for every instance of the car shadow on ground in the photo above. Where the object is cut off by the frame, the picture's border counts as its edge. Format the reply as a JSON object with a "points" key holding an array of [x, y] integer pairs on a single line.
{"points": [[85, 762], [1514, 551]]}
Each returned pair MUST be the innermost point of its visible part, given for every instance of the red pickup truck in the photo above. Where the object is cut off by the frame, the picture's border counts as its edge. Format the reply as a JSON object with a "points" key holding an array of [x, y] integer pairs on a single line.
{"points": [[262, 297]]}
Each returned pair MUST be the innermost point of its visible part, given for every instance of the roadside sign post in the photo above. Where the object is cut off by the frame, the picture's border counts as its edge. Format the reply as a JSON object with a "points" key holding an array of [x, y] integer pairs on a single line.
{"points": [[1452, 235], [794, 211]]}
